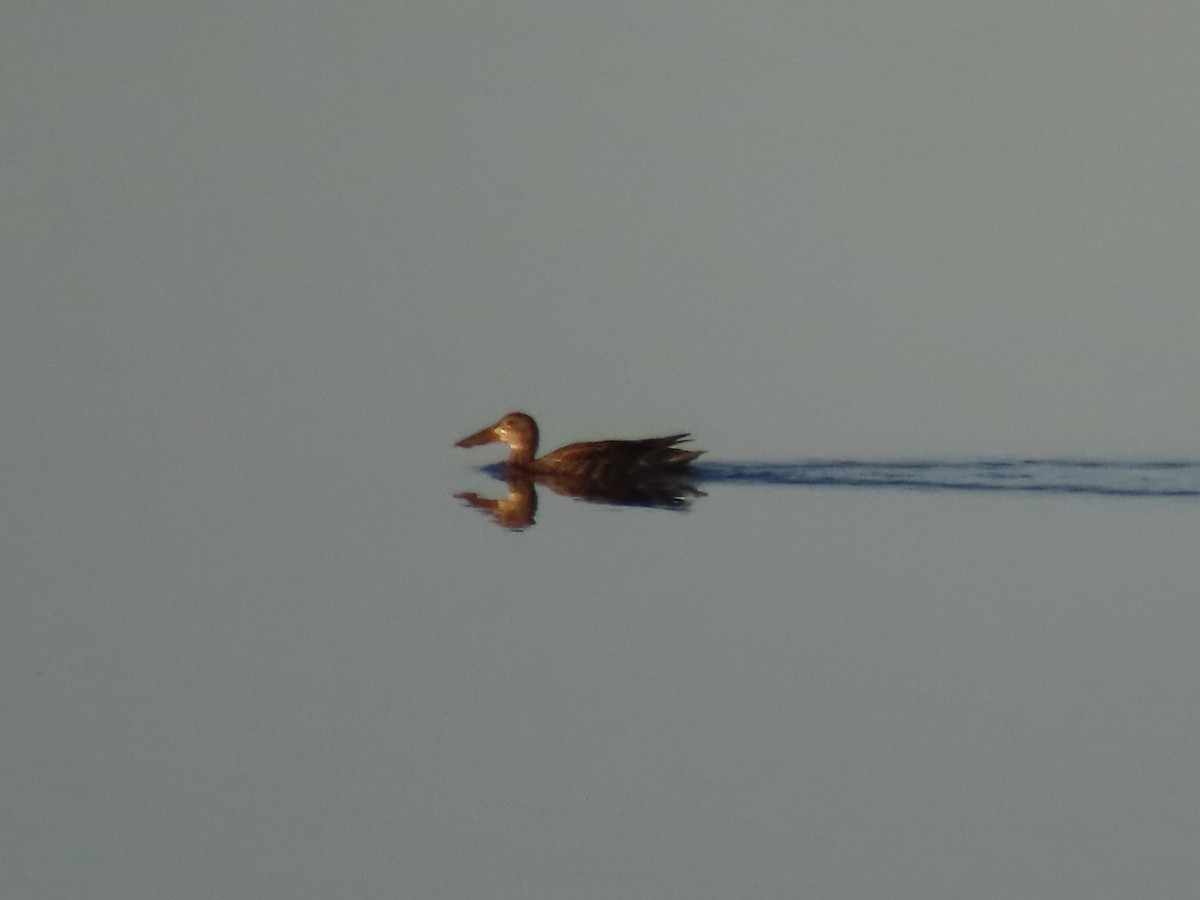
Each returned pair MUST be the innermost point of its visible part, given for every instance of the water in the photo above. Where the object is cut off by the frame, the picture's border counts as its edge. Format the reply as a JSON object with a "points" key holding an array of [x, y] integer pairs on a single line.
{"points": [[354, 684], [845, 688], [1132, 478], [262, 269]]}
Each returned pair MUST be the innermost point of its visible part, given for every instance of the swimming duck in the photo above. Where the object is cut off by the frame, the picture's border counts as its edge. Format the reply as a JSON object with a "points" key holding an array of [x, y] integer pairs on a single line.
{"points": [[597, 461]]}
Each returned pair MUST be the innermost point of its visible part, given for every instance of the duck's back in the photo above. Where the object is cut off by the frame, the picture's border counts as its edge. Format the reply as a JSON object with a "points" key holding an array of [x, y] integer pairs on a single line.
{"points": [[623, 458]]}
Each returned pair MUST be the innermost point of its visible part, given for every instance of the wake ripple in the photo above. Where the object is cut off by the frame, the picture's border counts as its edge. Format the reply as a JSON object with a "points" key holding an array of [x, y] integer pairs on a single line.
{"points": [[1148, 478]]}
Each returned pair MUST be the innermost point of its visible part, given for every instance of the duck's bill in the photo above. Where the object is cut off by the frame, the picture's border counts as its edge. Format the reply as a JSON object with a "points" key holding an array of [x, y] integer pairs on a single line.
{"points": [[484, 436]]}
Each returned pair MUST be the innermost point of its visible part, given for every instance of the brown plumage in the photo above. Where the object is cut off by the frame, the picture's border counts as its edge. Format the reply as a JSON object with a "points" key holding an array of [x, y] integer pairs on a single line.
{"points": [[597, 461]]}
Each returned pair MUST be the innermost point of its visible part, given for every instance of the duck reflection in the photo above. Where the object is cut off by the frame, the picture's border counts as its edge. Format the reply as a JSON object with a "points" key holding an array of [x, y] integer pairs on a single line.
{"points": [[518, 510]]}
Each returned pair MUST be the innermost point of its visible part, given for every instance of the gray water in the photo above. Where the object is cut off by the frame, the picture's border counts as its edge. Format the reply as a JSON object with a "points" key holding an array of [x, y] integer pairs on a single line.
{"points": [[922, 283], [1129, 478]]}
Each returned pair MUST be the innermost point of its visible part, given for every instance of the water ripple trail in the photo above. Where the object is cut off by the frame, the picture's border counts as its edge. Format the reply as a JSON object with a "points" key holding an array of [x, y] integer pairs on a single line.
{"points": [[1132, 478]]}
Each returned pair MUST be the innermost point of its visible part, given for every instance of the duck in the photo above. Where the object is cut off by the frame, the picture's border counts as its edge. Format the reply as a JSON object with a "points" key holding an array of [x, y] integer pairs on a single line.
{"points": [[601, 462]]}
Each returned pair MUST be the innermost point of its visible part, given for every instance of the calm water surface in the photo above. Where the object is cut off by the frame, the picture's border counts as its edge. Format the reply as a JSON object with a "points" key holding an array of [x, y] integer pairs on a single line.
{"points": [[790, 690], [262, 269]]}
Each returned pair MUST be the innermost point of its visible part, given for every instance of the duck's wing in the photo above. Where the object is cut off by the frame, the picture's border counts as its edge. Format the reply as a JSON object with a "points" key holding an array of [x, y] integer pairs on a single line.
{"points": [[603, 459]]}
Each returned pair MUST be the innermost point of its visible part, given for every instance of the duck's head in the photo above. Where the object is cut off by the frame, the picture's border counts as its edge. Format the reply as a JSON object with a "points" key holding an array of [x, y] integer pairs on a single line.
{"points": [[517, 429]]}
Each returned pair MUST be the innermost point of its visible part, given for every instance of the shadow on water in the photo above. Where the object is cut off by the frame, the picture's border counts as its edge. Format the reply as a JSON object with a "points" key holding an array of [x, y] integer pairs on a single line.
{"points": [[1146, 478], [517, 510]]}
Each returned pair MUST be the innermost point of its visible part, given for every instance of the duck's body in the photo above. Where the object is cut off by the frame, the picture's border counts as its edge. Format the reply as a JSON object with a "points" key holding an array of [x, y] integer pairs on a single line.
{"points": [[595, 461]]}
